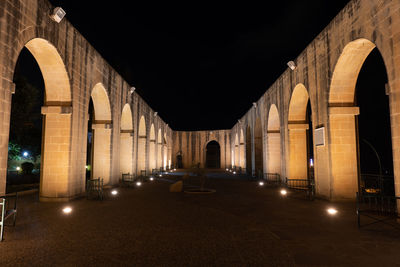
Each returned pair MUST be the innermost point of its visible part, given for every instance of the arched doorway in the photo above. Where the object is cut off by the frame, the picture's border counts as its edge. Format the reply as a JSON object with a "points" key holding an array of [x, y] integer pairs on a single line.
{"points": [[358, 88], [152, 149], [101, 134], [274, 141], [249, 167], [300, 138], [142, 138], [55, 142], [258, 147], [126, 140], [213, 155]]}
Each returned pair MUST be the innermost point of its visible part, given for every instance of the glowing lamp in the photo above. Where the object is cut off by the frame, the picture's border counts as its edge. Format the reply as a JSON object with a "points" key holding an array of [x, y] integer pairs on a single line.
{"points": [[234, 172], [67, 210], [138, 183], [261, 183], [18, 168], [114, 192], [283, 192], [151, 178], [332, 211]]}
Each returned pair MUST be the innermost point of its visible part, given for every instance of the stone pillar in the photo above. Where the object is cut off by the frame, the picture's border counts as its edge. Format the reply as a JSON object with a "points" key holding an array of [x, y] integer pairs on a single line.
{"points": [[56, 150], [141, 161], [298, 150], [152, 155], [126, 152], [343, 148], [7, 88], [242, 156], [274, 151], [101, 150], [237, 155]]}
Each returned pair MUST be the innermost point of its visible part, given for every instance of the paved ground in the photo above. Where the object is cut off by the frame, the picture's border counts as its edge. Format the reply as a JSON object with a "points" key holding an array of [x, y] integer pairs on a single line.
{"points": [[239, 225]]}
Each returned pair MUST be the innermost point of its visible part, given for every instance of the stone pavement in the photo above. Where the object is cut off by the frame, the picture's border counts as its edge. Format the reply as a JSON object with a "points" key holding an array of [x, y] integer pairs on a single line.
{"points": [[241, 224]]}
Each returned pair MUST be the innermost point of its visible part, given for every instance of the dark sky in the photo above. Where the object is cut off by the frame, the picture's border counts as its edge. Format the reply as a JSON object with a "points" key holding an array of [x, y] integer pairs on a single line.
{"points": [[200, 65]]}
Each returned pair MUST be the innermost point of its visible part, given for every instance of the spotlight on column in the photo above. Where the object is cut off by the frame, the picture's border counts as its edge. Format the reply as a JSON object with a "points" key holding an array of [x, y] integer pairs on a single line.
{"points": [[261, 183], [283, 192], [132, 90], [291, 65], [58, 14], [114, 192]]}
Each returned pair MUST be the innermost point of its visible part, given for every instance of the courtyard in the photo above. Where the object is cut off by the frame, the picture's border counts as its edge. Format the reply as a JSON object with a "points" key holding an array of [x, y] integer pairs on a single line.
{"points": [[242, 224]]}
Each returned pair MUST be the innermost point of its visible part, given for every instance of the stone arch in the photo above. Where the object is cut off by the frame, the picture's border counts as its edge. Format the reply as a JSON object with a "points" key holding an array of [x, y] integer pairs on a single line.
{"points": [[57, 110], [159, 149], [102, 127], [343, 124], [242, 159], [249, 167], [298, 131], [237, 161], [126, 140], [142, 138], [258, 147], [273, 141], [152, 149]]}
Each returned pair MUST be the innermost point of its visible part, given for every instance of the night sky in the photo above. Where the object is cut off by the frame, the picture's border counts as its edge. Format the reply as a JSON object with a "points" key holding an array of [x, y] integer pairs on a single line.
{"points": [[200, 65]]}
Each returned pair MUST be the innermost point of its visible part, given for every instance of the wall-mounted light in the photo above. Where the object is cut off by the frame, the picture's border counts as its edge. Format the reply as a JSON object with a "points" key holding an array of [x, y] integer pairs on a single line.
{"points": [[291, 65], [155, 113], [254, 104], [132, 90], [58, 14]]}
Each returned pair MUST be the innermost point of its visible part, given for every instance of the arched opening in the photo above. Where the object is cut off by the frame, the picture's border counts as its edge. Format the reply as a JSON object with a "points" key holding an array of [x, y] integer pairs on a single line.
{"points": [[358, 88], [159, 149], [126, 140], [258, 147], [142, 138], [237, 162], [241, 150], [213, 155], [249, 168], [300, 138], [101, 134], [47, 139], [274, 141], [152, 149]]}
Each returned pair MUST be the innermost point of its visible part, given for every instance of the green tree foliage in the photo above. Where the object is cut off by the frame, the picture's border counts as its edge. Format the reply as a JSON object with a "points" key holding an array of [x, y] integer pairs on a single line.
{"points": [[14, 151]]}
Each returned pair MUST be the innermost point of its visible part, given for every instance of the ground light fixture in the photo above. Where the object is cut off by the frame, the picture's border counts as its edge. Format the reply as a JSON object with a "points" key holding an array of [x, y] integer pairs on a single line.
{"points": [[138, 183], [151, 179], [174, 169], [332, 211], [234, 172], [114, 192], [261, 183], [283, 192], [67, 210]]}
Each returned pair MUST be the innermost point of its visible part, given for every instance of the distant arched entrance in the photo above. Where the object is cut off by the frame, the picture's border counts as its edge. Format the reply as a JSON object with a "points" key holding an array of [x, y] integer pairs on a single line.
{"points": [[213, 155]]}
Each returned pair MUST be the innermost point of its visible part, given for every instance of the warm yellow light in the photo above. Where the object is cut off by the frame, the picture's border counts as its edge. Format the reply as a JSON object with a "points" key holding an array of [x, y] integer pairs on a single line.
{"points": [[151, 178], [67, 210], [174, 169], [114, 192], [332, 211], [227, 169], [283, 192], [138, 183], [160, 175], [18, 168], [261, 183]]}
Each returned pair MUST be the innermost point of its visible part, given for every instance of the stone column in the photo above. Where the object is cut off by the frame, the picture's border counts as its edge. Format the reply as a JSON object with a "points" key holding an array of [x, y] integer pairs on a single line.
{"points": [[101, 150], [298, 150], [343, 148], [56, 150], [126, 151], [274, 151]]}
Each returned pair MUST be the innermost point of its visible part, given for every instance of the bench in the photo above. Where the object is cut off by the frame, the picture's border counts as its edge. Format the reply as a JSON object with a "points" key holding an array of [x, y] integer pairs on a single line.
{"points": [[272, 179], [127, 179], [7, 211], [94, 187], [304, 185], [378, 209]]}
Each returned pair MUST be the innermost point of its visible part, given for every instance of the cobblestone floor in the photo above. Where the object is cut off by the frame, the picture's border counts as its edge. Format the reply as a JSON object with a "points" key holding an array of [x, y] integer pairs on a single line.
{"points": [[241, 224]]}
